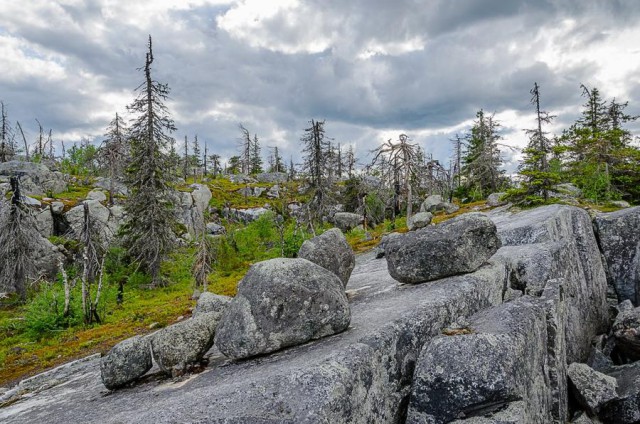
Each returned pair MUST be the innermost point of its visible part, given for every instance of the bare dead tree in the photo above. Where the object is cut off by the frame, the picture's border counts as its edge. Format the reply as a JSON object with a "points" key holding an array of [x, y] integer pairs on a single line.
{"points": [[18, 238], [24, 140], [402, 156], [202, 264], [113, 152]]}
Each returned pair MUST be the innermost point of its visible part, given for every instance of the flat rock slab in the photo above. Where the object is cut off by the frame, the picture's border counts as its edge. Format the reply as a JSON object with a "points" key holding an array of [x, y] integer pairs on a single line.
{"points": [[362, 375]]}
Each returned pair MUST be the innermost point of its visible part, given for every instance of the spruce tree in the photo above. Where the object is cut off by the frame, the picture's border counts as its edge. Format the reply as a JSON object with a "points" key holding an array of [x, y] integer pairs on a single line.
{"points": [[113, 153], [482, 160], [539, 179], [256, 159], [598, 149], [148, 232]]}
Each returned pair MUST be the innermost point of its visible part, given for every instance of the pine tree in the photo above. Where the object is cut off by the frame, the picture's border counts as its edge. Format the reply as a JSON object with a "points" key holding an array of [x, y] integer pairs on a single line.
{"points": [[148, 233]]}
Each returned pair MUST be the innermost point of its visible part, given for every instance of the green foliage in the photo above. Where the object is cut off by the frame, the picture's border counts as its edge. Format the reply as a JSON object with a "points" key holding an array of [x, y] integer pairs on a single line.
{"points": [[293, 239], [80, 161], [44, 315]]}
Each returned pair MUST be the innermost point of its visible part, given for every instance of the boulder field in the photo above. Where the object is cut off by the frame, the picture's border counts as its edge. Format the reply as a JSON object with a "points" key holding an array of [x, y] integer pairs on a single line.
{"points": [[493, 343]]}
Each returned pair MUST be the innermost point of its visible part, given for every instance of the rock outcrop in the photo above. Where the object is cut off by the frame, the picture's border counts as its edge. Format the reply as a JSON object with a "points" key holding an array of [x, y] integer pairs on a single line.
{"points": [[281, 303], [331, 251], [192, 207], [618, 233], [502, 360], [457, 246], [35, 178], [365, 374]]}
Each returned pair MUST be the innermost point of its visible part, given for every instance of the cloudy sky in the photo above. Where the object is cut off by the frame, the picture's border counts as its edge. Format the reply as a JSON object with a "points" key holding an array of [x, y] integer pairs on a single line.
{"points": [[371, 68]]}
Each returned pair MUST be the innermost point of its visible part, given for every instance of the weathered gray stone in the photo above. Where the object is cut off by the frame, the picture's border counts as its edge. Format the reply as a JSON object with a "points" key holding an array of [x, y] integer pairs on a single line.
{"points": [[274, 192], [209, 303], [494, 199], [331, 251], [621, 204], [566, 190], [57, 208], [514, 413], [44, 223], [106, 221], [457, 246], [564, 247], [502, 361], [35, 178], [626, 331], [419, 220], [591, 388], [119, 189], [435, 203], [215, 229], [126, 362], [360, 376], [192, 207], [30, 201], [249, 214], [625, 407], [240, 178], [619, 237], [281, 303], [98, 195], [184, 343], [347, 221], [272, 177]]}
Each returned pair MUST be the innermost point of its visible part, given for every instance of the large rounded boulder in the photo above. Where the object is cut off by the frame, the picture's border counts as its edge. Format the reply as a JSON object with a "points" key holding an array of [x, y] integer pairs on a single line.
{"points": [[331, 251], [183, 344], [125, 362], [457, 246], [280, 303]]}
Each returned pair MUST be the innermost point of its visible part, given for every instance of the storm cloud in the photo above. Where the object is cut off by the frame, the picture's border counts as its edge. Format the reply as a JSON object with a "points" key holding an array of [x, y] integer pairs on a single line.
{"points": [[372, 69]]}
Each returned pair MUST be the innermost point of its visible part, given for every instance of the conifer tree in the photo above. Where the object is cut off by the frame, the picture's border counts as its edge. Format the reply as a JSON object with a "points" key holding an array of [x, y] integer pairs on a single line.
{"points": [[114, 152], [482, 160], [315, 147], [598, 149], [255, 159], [538, 176], [148, 233]]}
